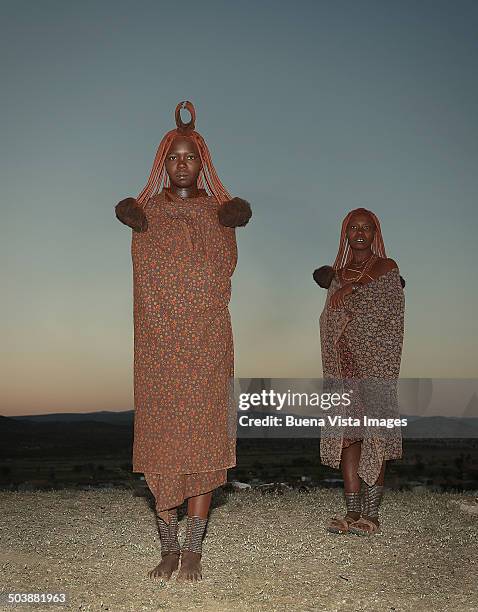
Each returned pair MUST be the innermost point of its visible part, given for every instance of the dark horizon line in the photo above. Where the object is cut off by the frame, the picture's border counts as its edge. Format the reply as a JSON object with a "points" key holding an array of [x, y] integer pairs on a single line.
{"points": [[29, 416], [131, 410]]}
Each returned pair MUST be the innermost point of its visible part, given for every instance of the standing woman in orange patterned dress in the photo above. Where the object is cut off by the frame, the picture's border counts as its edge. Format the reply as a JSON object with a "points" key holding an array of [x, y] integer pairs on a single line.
{"points": [[361, 331], [184, 254]]}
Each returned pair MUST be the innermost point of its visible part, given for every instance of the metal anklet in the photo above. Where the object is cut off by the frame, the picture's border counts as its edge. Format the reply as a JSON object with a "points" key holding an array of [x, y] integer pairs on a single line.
{"points": [[353, 502], [168, 534], [371, 500], [195, 529]]}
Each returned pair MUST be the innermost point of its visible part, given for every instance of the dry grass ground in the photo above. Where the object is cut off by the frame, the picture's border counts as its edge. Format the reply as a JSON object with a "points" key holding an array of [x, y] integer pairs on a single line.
{"points": [[262, 553]]}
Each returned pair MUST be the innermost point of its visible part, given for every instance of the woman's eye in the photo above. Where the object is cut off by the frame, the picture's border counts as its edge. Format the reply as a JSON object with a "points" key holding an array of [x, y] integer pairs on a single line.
{"points": [[191, 157]]}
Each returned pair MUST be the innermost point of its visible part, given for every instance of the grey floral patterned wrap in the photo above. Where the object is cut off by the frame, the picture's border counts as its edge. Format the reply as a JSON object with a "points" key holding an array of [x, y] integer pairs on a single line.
{"points": [[361, 353]]}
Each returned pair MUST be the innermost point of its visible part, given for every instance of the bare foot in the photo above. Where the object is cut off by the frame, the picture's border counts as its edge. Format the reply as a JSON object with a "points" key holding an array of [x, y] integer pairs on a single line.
{"points": [[169, 564], [191, 570]]}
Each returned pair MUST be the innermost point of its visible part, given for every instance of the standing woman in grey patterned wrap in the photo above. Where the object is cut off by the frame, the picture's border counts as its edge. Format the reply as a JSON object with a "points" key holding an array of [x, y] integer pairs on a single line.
{"points": [[361, 331]]}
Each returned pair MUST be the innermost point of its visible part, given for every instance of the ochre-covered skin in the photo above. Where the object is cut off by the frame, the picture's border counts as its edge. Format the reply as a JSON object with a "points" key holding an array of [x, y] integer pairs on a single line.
{"points": [[184, 429], [131, 214], [235, 213]]}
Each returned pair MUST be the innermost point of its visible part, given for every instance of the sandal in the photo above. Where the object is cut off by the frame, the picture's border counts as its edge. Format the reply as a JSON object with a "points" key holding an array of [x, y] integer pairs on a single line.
{"points": [[340, 525], [364, 527]]}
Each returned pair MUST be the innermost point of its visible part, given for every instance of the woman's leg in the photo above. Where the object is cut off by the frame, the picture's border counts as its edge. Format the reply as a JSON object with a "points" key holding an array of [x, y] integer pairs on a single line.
{"points": [[167, 521], [165, 515], [368, 523], [349, 465], [373, 497], [198, 510], [199, 505]]}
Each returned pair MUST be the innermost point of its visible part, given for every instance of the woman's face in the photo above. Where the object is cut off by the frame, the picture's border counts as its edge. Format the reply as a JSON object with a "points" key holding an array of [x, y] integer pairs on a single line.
{"points": [[183, 163], [360, 231]]}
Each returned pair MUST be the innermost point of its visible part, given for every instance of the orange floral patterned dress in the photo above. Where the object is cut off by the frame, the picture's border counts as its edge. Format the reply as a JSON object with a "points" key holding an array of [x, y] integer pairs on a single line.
{"points": [[184, 425]]}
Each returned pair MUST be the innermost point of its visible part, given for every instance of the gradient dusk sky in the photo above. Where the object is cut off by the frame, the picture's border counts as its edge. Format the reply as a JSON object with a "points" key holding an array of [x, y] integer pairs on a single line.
{"points": [[310, 109]]}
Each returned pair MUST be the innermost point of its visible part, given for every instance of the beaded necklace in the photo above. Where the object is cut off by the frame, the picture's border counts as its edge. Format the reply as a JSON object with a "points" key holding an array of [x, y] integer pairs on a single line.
{"points": [[367, 266]]}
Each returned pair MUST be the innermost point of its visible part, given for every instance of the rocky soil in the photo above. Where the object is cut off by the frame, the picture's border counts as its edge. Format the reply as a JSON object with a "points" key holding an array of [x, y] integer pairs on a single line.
{"points": [[263, 552]]}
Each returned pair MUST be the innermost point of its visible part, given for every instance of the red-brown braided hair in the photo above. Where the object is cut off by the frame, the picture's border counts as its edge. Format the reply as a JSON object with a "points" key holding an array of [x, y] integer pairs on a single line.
{"points": [[208, 178], [344, 254]]}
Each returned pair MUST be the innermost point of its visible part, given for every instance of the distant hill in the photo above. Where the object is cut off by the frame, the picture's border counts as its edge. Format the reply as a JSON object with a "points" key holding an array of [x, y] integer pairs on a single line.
{"points": [[27, 437], [111, 433], [105, 416], [441, 427], [11, 424]]}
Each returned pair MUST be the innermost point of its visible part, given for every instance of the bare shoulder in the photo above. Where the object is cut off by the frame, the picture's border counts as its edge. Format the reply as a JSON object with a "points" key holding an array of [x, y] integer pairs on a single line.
{"points": [[384, 265]]}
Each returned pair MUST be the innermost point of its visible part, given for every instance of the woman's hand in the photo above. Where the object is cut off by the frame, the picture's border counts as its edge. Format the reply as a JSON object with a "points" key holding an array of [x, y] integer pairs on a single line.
{"points": [[235, 213], [337, 299], [323, 276], [131, 214]]}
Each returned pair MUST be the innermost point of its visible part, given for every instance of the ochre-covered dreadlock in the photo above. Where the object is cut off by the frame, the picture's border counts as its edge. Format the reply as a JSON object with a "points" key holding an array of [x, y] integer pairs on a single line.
{"points": [[344, 254], [208, 178]]}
